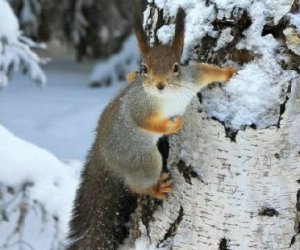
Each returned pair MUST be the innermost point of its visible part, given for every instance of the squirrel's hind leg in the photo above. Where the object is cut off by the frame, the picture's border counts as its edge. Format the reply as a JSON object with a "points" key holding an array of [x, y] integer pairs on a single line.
{"points": [[146, 177], [160, 190]]}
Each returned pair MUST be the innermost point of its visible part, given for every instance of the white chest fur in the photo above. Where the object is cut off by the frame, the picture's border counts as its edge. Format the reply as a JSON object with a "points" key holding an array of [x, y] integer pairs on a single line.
{"points": [[176, 104]]}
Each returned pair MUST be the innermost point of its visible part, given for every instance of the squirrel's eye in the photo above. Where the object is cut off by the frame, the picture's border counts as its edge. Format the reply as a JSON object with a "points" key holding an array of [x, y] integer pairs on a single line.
{"points": [[176, 68], [144, 69]]}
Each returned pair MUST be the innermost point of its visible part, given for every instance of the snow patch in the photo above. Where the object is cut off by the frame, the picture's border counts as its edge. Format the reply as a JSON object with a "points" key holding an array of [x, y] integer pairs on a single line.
{"points": [[198, 22], [142, 243], [246, 99], [230, 4], [166, 33], [295, 20], [9, 26], [15, 49], [224, 39], [49, 183]]}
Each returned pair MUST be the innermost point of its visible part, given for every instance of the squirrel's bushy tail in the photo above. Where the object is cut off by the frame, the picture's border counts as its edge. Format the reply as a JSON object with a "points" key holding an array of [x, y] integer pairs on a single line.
{"points": [[99, 219]]}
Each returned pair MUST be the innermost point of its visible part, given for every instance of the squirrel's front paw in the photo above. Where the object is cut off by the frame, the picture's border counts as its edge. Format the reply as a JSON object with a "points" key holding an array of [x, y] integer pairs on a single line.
{"points": [[230, 72], [175, 124], [131, 76]]}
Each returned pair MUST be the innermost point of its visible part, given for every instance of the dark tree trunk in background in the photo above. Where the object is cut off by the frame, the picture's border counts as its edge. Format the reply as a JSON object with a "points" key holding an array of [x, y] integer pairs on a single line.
{"points": [[95, 29], [107, 24], [41, 20]]}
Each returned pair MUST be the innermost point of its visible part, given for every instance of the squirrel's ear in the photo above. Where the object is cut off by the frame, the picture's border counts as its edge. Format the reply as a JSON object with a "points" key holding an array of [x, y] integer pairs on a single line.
{"points": [[178, 41], [139, 32]]}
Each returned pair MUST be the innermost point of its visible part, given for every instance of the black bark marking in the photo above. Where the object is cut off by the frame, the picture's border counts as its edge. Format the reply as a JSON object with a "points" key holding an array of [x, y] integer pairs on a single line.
{"points": [[268, 211], [298, 181], [293, 240], [297, 219], [298, 228], [293, 62], [160, 23], [188, 172], [172, 228], [284, 22], [281, 111], [229, 132], [164, 148], [223, 244], [238, 22], [199, 95], [282, 105], [298, 201], [205, 49], [295, 6], [149, 206], [242, 23], [276, 30], [277, 156]]}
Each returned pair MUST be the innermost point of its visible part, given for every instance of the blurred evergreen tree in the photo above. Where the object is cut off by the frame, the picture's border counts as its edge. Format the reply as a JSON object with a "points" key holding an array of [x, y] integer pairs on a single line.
{"points": [[95, 29]]}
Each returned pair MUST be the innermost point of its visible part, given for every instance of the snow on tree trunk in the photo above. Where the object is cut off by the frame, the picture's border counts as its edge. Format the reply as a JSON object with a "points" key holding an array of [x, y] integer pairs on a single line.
{"points": [[236, 163]]}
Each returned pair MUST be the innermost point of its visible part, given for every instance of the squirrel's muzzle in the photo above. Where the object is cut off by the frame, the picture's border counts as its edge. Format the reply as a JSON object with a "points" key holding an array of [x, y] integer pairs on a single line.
{"points": [[160, 85]]}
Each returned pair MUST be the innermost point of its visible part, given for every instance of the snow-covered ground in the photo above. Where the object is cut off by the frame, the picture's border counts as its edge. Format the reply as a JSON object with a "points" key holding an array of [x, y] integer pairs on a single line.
{"points": [[37, 191], [45, 135], [60, 117]]}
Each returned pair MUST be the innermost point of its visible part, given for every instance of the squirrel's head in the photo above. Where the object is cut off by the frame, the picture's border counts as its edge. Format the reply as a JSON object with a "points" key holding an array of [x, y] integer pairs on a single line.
{"points": [[160, 66]]}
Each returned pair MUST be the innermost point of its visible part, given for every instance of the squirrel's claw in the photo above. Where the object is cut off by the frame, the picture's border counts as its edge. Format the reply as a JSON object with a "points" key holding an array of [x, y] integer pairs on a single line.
{"points": [[163, 187], [231, 72], [164, 177]]}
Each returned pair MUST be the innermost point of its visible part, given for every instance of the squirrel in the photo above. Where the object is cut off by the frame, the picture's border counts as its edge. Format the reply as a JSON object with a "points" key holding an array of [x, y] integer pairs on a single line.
{"points": [[124, 155]]}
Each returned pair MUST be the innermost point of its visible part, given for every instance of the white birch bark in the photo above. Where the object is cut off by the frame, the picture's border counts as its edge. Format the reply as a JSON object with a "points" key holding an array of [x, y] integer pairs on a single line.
{"points": [[238, 182], [228, 194]]}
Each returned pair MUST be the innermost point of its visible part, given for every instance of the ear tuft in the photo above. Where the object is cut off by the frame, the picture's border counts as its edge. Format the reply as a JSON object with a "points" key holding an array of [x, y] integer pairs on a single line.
{"points": [[139, 30], [178, 41]]}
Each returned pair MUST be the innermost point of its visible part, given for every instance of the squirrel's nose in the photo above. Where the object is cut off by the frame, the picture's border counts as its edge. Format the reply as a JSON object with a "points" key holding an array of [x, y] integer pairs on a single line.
{"points": [[160, 85]]}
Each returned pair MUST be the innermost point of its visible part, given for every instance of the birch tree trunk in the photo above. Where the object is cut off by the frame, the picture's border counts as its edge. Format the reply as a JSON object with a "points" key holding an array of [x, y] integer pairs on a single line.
{"points": [[233, 188]]}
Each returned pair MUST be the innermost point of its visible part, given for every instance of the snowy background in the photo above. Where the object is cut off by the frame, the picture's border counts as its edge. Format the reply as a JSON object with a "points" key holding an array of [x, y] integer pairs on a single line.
{"points": [[47, 129], [47, 134]]}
